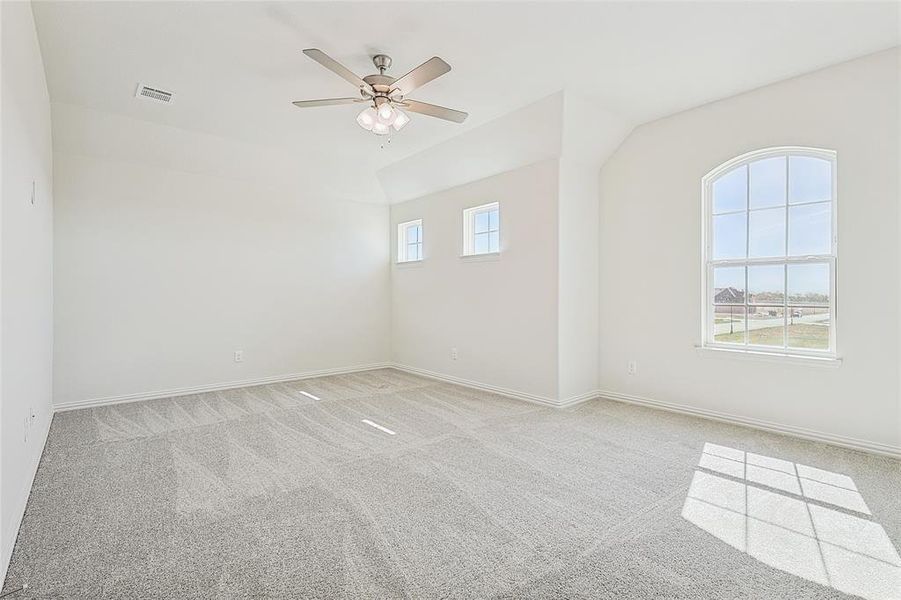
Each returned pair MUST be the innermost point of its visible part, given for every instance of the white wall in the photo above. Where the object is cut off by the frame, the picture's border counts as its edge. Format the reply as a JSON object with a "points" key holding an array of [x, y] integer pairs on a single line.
{"points": [[650, 254], [500, 313], [577, 355], [168, 260], [549, 314], [590, 135], [26, 250]]}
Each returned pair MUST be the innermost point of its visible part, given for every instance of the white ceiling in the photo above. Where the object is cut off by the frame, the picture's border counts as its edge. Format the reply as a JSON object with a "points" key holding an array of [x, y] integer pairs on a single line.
{"points": [[236, 66]]}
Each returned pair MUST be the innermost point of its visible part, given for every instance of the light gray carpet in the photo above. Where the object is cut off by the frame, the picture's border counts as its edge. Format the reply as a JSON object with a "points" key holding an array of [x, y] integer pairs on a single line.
{"points": [[267, 493]]}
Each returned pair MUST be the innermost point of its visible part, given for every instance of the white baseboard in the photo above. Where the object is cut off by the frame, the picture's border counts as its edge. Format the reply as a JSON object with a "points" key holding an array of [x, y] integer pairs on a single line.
{"points": [[213, 387], [199, 389], [800, 432], [809, 434], [572, 401], [484, 387], [12, 529]]}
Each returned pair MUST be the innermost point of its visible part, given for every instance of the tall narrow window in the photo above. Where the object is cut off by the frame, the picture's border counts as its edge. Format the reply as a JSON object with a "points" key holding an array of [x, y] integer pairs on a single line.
{"points": [[409, 241], [770, 252], [481, 229]]}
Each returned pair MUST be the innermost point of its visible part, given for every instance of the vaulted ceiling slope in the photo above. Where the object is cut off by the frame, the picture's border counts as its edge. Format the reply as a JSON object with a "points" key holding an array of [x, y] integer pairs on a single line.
{"points": [[236, 66], [562, 126]]}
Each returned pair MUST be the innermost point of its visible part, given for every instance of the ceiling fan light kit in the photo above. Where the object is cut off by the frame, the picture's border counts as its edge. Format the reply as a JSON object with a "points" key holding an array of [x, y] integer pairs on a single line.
{"points": [[385, 94]]}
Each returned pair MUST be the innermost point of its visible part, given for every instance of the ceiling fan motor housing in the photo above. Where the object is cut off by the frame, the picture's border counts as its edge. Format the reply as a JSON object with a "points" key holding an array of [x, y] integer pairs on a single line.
{"points": [[381, 84]]}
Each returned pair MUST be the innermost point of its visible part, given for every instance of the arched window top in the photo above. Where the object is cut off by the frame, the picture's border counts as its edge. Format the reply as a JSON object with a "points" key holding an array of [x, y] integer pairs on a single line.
{"points": [[769, 251], [822, 154]]}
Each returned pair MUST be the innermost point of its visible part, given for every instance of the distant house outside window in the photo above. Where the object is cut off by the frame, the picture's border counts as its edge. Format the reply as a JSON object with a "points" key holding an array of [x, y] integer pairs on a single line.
{"points": [[409, 241], [770, 252], [481, 229]]}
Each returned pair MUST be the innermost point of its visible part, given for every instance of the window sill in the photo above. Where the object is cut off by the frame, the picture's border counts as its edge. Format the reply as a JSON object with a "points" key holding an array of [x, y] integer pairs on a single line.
{"points": [[408, 264], [485, 256], [828, 362]]}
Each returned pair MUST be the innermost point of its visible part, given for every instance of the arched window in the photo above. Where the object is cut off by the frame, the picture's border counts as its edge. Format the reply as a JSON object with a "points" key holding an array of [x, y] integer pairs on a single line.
{"points": [[769, 252]]}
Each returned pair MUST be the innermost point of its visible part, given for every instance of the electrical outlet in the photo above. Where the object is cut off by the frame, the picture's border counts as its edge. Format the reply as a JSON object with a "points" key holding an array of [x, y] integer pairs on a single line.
{"points": [[633, 367], [453, 354], [239, 356]]}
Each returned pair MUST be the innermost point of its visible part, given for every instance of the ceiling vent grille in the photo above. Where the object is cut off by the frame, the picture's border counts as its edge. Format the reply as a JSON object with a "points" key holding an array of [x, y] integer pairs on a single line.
{"points": [[155, 94]]}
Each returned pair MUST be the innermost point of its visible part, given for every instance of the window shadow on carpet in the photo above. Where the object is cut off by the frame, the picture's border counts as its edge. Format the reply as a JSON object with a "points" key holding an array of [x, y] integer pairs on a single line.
{"points": [[799, 519]]}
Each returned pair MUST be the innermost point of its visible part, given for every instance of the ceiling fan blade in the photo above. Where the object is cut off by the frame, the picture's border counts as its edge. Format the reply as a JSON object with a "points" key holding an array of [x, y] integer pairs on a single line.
{"points": [[433, 110], [335, 67], [421, 75], [327, 102]]}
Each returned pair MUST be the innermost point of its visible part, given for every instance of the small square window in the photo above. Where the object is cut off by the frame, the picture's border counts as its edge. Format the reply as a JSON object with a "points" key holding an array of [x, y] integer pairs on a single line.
{"points": [[481, 230], [409, 241]]}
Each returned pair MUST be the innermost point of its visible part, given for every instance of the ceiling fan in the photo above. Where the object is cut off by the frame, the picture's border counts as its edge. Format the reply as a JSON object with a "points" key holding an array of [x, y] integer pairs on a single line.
{"points": [[384, 94]]}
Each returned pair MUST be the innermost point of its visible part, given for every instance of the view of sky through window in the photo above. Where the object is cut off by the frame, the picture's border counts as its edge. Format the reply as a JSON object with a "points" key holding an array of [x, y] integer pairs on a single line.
{"points": [[771, 247]]}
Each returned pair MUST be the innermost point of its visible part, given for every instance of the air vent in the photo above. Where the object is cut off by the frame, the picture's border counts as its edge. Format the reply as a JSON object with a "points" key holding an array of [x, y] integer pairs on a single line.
{"points": [[155, 94]]}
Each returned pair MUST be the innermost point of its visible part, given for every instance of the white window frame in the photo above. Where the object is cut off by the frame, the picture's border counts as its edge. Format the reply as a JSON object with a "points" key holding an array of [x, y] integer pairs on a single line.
{"points": [[403, 244], [708, 310], [469, 218]]}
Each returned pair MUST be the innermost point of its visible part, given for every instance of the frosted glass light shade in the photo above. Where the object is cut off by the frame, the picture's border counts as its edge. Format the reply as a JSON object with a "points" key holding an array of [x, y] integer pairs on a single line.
{"points": [[400, 119], [375, 120], [386, 113], [367, 118]]}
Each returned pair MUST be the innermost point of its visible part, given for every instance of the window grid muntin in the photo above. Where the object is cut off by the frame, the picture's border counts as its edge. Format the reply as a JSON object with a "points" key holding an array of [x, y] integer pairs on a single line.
{"points": [[709, 310], [409, 241], [471, 234]]}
